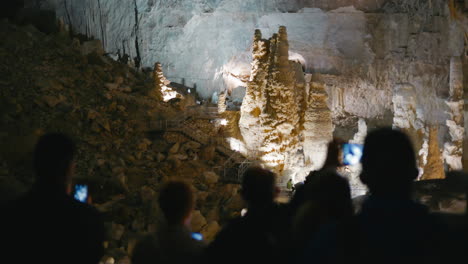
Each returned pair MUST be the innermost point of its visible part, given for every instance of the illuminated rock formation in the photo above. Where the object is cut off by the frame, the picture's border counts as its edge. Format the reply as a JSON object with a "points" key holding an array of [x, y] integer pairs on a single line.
{"points": [[318, 127], [222, 102], [270, 114], [160, 84], [432, 164], [453, 150], [409, 118]]}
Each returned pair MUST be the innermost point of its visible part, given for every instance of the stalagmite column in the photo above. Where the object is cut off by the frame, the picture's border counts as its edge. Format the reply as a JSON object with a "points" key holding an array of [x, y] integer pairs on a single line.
{"points": [[453, 150], [222, 102], [318, 126], [254, 99], [270, 118], [160, 84], [433, 167]]}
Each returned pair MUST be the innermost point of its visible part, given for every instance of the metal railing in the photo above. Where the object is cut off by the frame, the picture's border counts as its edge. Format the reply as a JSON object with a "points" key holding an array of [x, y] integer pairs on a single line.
{"points": [[236, 164]]}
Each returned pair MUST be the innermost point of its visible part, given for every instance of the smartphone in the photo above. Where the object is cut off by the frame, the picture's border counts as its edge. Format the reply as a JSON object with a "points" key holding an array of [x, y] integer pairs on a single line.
{"points": [[352, 153], [80, 192], [197, 236]]}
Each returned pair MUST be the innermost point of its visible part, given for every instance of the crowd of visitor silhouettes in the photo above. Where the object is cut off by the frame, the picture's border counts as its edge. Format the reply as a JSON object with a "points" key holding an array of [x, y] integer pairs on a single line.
{"points": [[318, 225]]}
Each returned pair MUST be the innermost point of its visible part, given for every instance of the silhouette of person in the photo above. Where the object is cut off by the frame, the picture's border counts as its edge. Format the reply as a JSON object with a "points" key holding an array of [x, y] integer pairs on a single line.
{"points": [[391, 227], [326, 204], [174, 243], [47, 225], [260, 234]]}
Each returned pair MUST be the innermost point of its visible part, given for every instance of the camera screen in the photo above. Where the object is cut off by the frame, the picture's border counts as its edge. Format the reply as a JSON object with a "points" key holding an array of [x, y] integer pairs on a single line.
{"points": [[81, 192], [352, 154]]}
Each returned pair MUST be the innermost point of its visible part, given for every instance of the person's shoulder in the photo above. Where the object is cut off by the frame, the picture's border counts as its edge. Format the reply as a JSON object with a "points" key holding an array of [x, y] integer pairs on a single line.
{"points": [[234, 223], [146, 250], [80, 207], [232, 228]]}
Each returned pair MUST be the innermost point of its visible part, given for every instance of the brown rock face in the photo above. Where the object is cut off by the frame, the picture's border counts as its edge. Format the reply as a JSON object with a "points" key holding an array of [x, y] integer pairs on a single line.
{"points": [[453, 150], [434, 167]]}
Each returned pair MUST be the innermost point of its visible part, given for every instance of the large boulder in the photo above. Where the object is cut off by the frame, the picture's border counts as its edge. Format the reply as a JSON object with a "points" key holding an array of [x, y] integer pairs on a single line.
{"points": [[198, 221], [210, 177], [175, 148], [210, 230]]}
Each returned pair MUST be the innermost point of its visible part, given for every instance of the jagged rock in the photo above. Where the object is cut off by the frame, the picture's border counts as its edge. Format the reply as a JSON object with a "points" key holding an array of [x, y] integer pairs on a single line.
{"points": [[92, 46], [175, 148], [210, 230], [198, 221], [210, 177], [113, 150], [190, 145], [180, 156], [160, 85]]}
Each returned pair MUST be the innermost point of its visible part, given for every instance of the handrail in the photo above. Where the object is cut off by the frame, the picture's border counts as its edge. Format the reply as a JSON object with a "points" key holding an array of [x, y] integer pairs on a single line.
{"points": [[178, 124]]}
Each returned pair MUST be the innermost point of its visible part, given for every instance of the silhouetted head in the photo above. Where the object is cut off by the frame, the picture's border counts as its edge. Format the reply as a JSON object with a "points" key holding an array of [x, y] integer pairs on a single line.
{"points": [[388, 162], [331, 192], [258, 186], [53, 160], [177, 201]]}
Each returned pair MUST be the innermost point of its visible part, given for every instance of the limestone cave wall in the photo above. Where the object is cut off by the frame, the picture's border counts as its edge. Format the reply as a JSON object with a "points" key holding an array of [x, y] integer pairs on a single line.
{"points": [[393, 62]]}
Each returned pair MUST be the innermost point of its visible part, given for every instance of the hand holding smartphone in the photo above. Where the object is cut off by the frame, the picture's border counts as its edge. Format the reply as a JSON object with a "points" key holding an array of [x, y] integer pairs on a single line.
{"points": [[197, 236], [81, 192], [352, 153]]}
